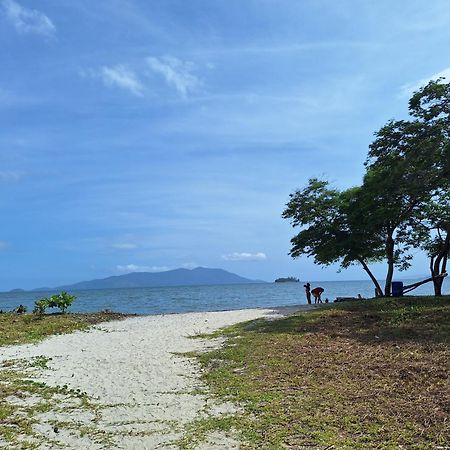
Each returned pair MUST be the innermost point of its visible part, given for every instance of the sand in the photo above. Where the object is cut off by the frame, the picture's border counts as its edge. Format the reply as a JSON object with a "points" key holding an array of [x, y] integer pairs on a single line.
{"points": [[143, 392]]}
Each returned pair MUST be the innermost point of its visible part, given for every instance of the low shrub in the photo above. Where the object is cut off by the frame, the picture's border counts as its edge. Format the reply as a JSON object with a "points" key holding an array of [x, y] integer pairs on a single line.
{"points": [[40, 306], [61, 301]]}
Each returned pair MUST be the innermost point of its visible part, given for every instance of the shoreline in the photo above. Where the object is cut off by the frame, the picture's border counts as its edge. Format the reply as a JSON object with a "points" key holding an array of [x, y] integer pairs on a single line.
{"points": [[126, 315], [143, 387], [283, 309]]}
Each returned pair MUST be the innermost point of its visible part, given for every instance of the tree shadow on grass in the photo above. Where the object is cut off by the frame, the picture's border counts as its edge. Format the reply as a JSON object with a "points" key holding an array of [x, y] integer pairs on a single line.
{"points": [[422, 320]]}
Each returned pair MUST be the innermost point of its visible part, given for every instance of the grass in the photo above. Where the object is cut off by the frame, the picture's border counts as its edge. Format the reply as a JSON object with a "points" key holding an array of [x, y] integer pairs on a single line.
{"points": [[18, 417], [363, 374], [18, 414], [29, 328]]}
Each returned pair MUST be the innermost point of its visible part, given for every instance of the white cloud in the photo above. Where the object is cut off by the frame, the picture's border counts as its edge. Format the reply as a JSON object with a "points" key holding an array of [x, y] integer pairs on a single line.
{"points": [[27, 20], [4, 245], [122, 77], [135, 268], [408, 88], [189, 265], [244, 256], [117, 76], [176, 73], [125, 246]]}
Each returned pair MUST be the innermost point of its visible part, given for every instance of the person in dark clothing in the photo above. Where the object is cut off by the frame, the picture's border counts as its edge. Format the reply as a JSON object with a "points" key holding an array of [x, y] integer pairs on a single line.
{"points": [[307, 287], [317, 292]]}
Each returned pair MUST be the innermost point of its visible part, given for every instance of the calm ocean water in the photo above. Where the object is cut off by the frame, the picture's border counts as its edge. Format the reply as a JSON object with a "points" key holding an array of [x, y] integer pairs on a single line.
{"points": [[200, 298]]}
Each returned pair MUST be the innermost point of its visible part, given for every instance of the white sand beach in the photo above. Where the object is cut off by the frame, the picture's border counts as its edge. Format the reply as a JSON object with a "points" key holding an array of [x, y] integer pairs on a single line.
{"points": [[143, 391]]}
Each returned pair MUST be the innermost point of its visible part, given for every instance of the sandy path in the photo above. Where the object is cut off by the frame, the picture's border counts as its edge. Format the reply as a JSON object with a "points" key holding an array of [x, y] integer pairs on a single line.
{"points": [[143, 391]]}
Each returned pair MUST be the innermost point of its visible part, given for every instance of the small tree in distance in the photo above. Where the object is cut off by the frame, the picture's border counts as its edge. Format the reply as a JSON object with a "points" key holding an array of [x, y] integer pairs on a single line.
{"points": [[61, 301]]}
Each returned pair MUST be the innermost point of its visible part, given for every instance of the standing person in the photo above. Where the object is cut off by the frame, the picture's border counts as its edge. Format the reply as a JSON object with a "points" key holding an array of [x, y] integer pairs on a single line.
{"points": [[307, 287], [317, 292]]}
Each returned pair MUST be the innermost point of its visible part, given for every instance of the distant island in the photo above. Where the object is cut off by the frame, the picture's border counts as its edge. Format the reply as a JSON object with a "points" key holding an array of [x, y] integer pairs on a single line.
{"points": [[287, 280], [177, 277]]}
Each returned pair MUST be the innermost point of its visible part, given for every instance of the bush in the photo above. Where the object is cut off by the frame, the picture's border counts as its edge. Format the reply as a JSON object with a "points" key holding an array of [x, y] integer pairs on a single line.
{"points": [[61, 301], [40, 306]]}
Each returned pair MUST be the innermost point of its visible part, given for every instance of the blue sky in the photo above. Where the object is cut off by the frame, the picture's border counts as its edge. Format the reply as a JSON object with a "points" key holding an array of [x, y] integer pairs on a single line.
{"points": [[148, 135]]}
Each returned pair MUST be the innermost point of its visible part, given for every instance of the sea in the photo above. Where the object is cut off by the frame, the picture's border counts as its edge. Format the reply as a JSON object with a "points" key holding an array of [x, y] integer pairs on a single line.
{"points": [[180, 299]]}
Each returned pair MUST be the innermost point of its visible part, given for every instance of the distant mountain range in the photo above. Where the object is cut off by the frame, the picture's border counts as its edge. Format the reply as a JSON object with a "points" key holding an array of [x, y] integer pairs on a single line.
{"points": [[177, 277]]}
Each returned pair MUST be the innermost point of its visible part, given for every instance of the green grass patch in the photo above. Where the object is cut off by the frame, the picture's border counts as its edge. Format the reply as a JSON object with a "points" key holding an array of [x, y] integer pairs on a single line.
{"points": [[28, 328], [363, 374]]}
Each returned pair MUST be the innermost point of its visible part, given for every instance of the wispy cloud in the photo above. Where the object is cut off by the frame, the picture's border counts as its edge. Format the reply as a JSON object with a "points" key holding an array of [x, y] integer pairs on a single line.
{"points": [[125, 246], [127, 268], [4, 245], [407, 89], [122, 77], [117, 76], [10, 176], [244, 256], [176, 73], [286, 47], [27, 20]]}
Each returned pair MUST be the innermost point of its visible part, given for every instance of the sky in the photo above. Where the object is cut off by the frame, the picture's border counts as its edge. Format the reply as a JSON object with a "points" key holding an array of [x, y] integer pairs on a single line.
{"points": [[147, 135]]}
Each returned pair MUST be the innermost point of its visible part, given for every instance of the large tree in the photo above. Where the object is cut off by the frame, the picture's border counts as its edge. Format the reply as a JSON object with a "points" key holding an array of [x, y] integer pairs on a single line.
{"points": [[328, 232], [407, 175], [431, 106], [396, 185], [401, 204]]}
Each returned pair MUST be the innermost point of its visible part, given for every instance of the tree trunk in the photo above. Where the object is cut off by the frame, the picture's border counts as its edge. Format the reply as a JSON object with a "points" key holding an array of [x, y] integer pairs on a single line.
{"points": [[378, 291], [390, 258], [438, 286], [438, 265]]}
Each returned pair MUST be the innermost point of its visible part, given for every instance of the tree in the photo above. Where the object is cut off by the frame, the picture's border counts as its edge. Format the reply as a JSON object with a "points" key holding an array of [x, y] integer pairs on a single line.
{"points": [[407, 173], [437, 244], [394, 186], [430, 230], [61, 301], [402, 204], [329, 232], [431, 106]]}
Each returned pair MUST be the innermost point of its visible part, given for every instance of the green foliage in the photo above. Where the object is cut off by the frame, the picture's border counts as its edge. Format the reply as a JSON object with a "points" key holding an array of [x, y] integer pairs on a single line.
{"points": [[431, 229], [61, 301], [432, 102], [321, 213], [402, 203], [408, 166], [331, 228], [40, 306]]}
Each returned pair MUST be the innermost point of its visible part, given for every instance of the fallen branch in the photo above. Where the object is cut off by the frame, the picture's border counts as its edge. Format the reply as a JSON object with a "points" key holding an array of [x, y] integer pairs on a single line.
{"points": [[411, 287]]}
